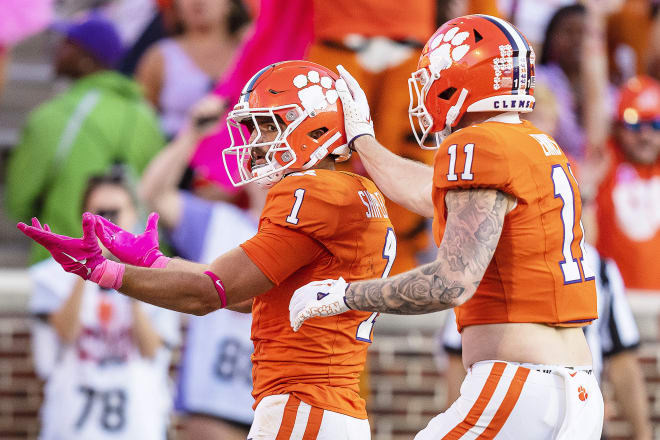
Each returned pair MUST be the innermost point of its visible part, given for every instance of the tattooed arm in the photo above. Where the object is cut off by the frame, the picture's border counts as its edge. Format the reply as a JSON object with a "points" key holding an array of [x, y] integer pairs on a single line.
{"points": [[406, 182], [474, 224]]}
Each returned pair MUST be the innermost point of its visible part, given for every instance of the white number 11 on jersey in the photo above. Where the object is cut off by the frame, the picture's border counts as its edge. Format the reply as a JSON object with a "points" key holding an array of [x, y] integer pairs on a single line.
{"points": [[570, 266]]}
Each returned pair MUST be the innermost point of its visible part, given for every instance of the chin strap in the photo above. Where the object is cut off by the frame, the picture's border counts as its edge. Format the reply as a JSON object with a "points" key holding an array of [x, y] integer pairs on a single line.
{"points": [[452, 114], [321, 152]]}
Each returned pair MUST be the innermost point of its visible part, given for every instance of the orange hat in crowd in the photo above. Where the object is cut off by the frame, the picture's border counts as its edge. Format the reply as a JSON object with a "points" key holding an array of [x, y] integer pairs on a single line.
{"points": [[639, 100]]}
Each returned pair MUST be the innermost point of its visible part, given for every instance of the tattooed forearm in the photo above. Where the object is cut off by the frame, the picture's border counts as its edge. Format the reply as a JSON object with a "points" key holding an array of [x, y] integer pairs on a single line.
{"points": [[474, 223], [422, 290]]}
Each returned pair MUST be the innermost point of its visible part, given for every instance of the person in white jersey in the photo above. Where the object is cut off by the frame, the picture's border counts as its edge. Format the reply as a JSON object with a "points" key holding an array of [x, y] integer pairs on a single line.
{"points": [[104, 357]]}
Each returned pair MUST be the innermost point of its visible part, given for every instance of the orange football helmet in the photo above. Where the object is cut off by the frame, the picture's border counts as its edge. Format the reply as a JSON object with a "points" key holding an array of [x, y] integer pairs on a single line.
{"points": [[639, 100], [300, 98], [474, 63]]}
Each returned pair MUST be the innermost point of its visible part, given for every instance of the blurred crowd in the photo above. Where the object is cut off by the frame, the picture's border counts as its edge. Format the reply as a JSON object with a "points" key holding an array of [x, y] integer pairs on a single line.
{"points": [[140, 128]]}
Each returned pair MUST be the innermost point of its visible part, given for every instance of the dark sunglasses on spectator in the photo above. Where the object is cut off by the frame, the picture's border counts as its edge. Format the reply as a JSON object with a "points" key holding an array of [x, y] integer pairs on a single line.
{"points": [[654, 124], [108, 214]]}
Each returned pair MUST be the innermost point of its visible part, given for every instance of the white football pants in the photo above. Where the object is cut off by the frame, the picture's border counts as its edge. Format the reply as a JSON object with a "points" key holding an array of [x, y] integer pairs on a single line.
{"points": [[509, 401], [285, 417]]}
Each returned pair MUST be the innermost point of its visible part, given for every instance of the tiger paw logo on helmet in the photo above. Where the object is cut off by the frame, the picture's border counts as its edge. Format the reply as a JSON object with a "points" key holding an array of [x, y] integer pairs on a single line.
{"points": [[445, 48], [316, 92]]}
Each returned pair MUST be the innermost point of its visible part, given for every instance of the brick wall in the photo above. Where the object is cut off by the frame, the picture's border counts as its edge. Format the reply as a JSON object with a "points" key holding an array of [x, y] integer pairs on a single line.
{"points": [[407, 388]]}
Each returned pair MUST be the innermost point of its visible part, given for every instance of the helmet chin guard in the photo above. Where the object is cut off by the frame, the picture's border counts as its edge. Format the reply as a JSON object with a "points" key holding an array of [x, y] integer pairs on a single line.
{"points": [[278, 154]]}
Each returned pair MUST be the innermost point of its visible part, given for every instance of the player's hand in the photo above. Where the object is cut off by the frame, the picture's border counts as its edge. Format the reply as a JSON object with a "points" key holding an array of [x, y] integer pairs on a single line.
{"points": [[318, 298], [357, 118], [137, 250], [76, 255]]}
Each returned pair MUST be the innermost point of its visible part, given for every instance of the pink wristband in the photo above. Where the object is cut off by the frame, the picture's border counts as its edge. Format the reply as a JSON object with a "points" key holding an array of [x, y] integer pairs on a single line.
{"points": [[219, 287], [108, 274], [160, 262]]}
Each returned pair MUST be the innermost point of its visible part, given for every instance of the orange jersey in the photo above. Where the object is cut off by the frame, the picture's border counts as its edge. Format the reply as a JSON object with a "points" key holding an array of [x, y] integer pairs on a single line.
{"points": [[317, 225], [334, 20], [538, 273], [628, 218]]}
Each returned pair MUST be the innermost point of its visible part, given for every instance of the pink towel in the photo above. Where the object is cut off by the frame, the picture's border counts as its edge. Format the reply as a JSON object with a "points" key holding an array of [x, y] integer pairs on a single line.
{"points": [[20, 19], [283, 31]]}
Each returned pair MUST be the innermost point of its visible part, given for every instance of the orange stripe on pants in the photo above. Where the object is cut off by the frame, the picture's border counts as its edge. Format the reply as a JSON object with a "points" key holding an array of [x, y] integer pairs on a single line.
{"points": [[313, 424], [288, 418], [507, 405], [480, 405]]}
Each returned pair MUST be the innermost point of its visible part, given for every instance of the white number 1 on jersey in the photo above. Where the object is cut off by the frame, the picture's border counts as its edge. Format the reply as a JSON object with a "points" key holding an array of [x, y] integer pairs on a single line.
{"points": [[570, 266], [293, 217], [366, 327]]}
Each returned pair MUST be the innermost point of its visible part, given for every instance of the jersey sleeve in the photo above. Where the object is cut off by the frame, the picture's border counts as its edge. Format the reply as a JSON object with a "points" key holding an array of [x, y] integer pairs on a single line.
{"points": [[279, 252], [474, 157]]}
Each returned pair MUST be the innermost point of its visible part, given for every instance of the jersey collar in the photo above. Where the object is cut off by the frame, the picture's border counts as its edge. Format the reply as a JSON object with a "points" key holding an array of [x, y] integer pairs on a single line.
{"points": [[506, 117]]}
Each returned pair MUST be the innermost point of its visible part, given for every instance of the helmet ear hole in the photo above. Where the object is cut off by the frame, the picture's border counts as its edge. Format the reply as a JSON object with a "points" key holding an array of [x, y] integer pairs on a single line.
{"points": [[316, 134], [477, 36], [447, 93]]}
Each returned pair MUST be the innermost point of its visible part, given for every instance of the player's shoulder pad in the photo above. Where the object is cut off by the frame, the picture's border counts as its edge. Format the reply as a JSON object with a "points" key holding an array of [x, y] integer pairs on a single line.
{"points": [[310, 201], [475, 156]]}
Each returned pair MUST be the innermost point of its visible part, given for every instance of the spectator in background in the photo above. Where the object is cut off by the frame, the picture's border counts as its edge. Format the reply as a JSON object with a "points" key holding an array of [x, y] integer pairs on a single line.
{"points": [[104, 356], [379, 42], [215, 375], [208, 36], [573, 65], [559, 70], [99, 121], [628, 198]]}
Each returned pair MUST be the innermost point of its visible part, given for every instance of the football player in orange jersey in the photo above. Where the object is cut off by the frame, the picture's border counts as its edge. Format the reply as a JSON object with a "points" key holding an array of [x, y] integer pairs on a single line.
{"points": [[317, 223], [506, 211]]}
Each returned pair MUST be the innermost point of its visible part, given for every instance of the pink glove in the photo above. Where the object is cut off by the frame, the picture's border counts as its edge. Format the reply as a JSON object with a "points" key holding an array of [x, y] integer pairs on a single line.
{"points": [[137, 250], [81, 256]]}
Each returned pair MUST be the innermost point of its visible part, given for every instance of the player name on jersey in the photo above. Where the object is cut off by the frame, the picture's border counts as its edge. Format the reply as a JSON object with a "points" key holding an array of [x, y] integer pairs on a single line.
{"points": [[375, 203], [549, 146]]}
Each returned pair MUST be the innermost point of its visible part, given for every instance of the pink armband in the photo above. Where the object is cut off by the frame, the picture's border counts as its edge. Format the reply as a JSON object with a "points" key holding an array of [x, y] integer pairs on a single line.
{"points": [[219, 287], [160, 262], [108, 274]]}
